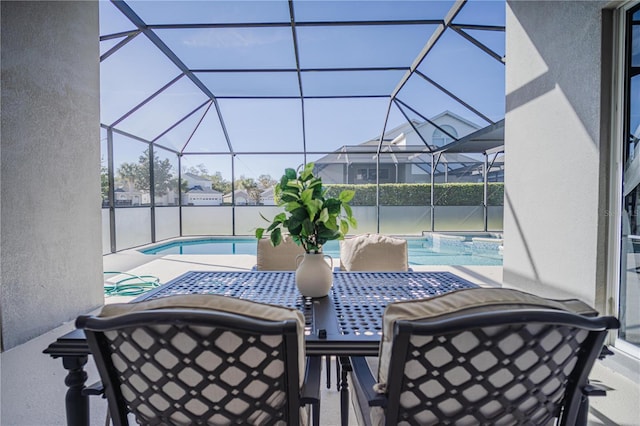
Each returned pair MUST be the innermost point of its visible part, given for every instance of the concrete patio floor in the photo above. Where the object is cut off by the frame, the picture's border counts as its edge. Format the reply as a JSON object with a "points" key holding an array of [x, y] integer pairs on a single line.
{"points": [[32, 388]]}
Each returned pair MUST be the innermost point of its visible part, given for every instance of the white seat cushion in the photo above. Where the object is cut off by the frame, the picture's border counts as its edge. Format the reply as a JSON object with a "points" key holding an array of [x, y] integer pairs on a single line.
{"points": [[215, 302], [279, 258], [373, 252], [485, 299]]}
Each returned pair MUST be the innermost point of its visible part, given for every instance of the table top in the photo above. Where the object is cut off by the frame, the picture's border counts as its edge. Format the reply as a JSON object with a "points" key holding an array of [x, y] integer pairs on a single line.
{"points": [[346, 322]]}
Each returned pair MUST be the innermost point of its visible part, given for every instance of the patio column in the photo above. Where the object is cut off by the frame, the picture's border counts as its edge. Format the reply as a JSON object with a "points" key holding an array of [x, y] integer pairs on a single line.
{"points": [[557, 145], [51, 262]]}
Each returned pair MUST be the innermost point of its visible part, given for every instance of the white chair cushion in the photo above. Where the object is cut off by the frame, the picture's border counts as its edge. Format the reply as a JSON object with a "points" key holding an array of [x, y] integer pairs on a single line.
{"points": [[279, 258], [215, 302], [373, 252], [481, 299]]}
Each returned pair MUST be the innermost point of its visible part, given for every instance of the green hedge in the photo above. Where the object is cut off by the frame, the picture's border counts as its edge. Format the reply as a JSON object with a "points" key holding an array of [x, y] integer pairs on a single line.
{"points": [[419, 194]]}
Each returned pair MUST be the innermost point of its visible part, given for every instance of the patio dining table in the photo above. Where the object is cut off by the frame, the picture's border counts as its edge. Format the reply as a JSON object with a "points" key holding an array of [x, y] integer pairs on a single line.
{"points": [[348, 322]]}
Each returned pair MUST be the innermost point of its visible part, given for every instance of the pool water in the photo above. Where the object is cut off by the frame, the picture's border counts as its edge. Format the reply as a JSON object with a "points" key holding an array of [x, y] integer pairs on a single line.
{"points": [[421, 250]]}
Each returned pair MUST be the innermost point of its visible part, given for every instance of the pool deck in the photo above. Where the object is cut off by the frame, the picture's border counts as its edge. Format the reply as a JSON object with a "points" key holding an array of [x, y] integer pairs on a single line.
{"points": [[25, 368]]}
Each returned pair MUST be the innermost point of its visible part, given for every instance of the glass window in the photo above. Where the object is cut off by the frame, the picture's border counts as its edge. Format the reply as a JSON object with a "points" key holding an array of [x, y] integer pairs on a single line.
{"points": [[440, 138], [628, 313]]}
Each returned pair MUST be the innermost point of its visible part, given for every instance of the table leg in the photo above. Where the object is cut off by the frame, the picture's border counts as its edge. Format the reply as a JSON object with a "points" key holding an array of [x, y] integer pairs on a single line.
{"points": [[344, 389], [77, 404]]}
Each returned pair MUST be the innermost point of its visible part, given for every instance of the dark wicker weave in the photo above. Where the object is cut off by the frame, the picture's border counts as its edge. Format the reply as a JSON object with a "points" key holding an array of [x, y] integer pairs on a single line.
{"points": [[190, 367], [516, 366]]}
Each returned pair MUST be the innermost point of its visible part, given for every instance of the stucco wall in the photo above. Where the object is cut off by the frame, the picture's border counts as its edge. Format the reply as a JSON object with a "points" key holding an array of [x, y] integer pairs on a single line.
{"points": [[51, 263], [556, 167]]}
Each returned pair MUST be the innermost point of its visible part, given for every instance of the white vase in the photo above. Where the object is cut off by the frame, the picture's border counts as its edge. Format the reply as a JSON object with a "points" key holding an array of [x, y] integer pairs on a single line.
{"points": [[314, 276]]}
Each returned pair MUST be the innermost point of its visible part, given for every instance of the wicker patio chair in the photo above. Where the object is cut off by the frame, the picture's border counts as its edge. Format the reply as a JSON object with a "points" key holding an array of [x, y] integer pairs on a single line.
{"points": [[482, 357], [203, 359]]}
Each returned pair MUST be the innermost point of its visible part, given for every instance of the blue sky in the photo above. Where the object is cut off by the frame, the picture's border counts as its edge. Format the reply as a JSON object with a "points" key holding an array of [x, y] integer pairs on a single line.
{"points": [[138, 70]]}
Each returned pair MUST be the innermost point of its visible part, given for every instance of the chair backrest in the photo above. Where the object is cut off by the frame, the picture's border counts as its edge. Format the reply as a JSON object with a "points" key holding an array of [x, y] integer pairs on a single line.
{"points": [[373, 252], [279, 258], [199, 359], [486, 357]]}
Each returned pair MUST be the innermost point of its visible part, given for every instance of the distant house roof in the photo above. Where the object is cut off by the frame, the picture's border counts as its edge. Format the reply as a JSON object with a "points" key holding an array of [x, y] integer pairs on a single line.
{"points": [[237, 193], [194, 176], [268, 192], [393, 141], [483, 140]]}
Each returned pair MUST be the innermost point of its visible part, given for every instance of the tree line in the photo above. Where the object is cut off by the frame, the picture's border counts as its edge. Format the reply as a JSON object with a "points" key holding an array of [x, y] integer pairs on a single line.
{"points": [[132, 176]]}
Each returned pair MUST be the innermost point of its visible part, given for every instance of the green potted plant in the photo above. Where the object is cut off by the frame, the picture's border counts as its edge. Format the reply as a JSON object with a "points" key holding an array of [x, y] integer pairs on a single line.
{"points": [[311, 219]]}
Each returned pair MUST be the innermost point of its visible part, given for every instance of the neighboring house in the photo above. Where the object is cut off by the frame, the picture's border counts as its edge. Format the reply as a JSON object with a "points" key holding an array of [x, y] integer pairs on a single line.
{"points": [[241, 198], [267, 197], [131, 198], [202, 196], [124, 198], [399, 161], [195, 180]]}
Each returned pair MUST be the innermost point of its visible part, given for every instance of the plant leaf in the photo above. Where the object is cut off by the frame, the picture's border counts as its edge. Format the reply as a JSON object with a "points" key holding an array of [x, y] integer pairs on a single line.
{"points": [[324, 215], [346, 195], [307, 171], [313, 206], [289, 174], [306, 196], [344, 226], [308, 226], [276, 237], [333, 206], [347, 210], [259, 232]]}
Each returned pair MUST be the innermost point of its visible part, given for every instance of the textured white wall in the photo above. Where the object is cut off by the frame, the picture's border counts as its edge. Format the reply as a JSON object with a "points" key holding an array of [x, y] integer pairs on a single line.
{"points": [[555, 169], [51, 263]]}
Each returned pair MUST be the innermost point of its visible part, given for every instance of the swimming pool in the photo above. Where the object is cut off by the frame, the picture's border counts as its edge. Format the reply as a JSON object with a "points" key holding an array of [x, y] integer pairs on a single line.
{"points": [[428, 250]]}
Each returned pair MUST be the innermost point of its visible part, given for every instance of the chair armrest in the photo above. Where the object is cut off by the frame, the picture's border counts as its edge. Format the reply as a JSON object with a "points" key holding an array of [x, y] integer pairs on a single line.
{"points": [[310, 392], [96, 389], [364, 376]]}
